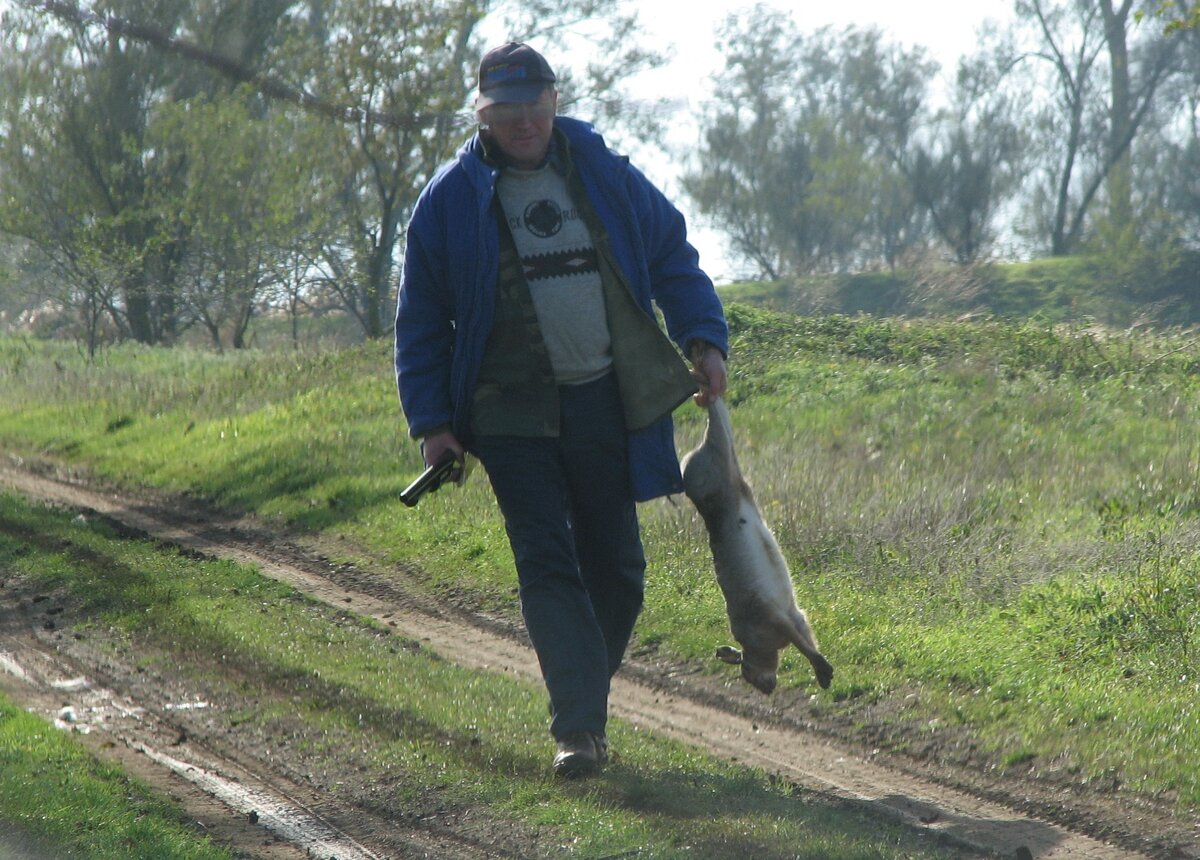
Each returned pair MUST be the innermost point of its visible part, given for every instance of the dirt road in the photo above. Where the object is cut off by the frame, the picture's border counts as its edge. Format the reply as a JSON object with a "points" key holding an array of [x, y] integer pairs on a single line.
{"points": [[268, 812]]}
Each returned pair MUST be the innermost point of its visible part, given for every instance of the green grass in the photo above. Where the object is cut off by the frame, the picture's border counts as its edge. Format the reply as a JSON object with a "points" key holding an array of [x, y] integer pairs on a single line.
{"points": [[338, 694], [992, 522], [68, 804]]}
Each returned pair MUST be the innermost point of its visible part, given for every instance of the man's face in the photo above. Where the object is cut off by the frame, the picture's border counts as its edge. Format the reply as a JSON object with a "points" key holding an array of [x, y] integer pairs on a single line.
{"points": [[522, 131]]}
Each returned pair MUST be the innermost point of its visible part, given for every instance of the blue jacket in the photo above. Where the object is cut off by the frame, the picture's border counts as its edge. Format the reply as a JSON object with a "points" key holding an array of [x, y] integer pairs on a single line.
{"points": [[448, 288]]}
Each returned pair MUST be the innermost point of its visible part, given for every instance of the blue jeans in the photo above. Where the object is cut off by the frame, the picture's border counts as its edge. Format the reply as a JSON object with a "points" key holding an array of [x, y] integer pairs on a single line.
{"points": [[572, 524]]}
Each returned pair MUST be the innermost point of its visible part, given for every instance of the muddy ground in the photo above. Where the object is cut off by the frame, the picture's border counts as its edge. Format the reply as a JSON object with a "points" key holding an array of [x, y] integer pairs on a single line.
{"points": [[266, 791]]}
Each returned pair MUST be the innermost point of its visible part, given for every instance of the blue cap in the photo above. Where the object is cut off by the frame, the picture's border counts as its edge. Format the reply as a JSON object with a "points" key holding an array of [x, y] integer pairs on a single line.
{"points": [[513, 72]]}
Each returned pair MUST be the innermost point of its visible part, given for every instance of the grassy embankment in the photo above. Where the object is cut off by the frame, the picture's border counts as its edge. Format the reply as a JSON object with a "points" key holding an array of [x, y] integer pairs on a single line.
{"points": [[994, 523], [1061, 290]]}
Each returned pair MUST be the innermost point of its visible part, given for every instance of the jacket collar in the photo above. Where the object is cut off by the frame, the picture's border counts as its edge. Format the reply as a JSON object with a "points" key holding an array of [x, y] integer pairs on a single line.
{"points": [[558, 156], [571, 136]]}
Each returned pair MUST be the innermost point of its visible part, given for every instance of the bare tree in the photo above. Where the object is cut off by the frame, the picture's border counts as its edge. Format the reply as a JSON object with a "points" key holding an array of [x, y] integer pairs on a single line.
{"points": [[1089, 147], [971, 161]]}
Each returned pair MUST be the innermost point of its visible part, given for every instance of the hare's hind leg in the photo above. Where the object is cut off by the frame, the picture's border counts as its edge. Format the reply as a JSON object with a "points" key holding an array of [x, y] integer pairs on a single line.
{"points": [[802, 637]]}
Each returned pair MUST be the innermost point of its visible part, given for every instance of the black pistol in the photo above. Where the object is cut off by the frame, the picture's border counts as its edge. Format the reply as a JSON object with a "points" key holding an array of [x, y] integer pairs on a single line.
{"points": [[429, 480]]}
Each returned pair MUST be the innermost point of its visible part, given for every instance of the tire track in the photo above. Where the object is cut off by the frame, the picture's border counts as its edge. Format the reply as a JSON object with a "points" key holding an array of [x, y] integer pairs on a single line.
{"points": [[977, 824], [75, 703]]}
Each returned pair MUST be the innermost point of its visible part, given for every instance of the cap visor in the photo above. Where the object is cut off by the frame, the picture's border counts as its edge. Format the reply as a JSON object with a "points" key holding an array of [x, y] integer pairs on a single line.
{"points": [[527, 93]]}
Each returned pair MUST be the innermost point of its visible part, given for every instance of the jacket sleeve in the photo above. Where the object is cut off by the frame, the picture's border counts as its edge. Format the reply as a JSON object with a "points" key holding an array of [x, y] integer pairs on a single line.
{"points": [[425, 324], [678, 285]]}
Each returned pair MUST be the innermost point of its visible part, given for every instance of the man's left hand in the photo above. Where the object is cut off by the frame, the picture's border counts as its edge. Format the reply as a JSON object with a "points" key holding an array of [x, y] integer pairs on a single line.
{"points": [[709, 370]]}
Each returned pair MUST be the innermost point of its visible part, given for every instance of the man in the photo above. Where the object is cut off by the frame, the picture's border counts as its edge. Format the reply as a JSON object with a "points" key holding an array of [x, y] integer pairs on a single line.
{"points": [[525, 335]]}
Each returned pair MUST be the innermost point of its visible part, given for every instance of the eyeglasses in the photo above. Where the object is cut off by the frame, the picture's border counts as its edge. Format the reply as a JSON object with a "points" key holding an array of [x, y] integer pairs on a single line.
{"points": [[510, 113]]}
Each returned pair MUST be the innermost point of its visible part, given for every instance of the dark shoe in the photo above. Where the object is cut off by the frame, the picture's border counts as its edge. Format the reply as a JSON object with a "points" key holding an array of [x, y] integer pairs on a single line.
{"points": [[601, 742], [580, 754]]}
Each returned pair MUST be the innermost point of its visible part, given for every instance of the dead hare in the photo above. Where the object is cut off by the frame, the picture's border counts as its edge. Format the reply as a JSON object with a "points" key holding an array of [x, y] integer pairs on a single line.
{"points": [[750, 567]]}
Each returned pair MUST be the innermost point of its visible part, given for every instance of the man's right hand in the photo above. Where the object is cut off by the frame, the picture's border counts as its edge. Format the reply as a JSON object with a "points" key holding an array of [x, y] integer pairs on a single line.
{"points": [[433, 447]]}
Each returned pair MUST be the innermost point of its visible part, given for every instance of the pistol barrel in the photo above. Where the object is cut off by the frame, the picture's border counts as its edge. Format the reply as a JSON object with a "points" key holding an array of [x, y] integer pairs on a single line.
{"points": [[429, 480]]}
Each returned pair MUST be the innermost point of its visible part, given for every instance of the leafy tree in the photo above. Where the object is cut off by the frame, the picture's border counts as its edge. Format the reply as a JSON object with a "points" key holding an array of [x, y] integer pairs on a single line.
{"points": [[74, 161], [880, 94], [1168, 163], [1062, 126], [88, 97], [747, 180], [899, 219], [801, 161], [1131, 98], [248, 194], [395, 77], [955, 186], [1178, 14], [405, 66]]}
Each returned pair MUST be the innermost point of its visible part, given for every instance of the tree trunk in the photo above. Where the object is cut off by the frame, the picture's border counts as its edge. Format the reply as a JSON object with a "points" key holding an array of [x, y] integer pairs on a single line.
{"points": [[1120, 177], [377, 289], [138, 309]]}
